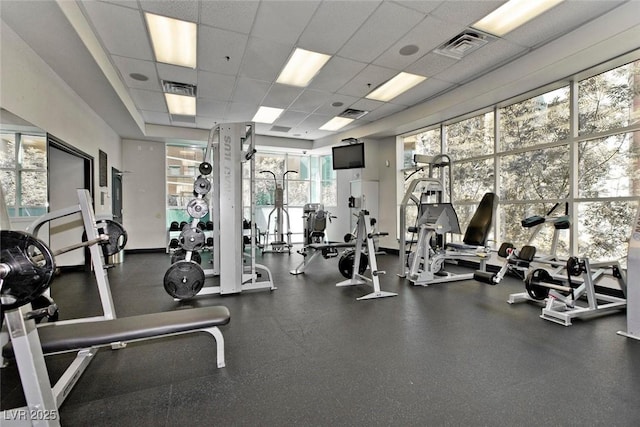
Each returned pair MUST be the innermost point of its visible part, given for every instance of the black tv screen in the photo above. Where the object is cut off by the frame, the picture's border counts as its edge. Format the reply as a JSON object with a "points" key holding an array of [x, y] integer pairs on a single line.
{"points": [[348, 156]]}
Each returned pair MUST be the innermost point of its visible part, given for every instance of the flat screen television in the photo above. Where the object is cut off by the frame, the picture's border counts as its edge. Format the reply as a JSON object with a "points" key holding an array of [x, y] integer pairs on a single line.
{"points": [[348, 156]]}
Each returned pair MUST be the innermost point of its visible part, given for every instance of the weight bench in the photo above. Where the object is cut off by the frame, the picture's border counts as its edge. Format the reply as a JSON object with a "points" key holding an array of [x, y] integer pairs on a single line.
{"points": [[29, 344], [317, 249]]}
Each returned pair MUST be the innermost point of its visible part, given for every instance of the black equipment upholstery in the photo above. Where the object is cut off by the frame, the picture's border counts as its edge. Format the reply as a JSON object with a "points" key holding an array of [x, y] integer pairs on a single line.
{"points": [[478, 229], [69, 337]]}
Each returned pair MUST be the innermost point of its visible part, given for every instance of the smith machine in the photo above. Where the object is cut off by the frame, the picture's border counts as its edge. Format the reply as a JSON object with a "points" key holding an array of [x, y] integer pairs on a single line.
{"points": [[232, 148]]}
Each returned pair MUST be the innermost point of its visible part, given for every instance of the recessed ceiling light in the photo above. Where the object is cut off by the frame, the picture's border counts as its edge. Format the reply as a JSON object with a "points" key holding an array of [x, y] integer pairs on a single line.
{"points": [[267, 115], [180, 104], [139, 77], [409, 49], [336, 123], [302, 67], [394, 87], [337, 104], [174, 41], [513, 14]]}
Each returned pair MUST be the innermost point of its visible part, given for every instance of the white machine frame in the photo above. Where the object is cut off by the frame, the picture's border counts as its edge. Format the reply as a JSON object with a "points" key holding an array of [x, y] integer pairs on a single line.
{"points": [[365, 236], [633, 282]]}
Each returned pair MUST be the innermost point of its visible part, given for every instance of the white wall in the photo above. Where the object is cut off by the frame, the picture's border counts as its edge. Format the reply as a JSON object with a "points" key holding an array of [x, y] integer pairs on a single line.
{"points": [[144, 207], [31, 90]]}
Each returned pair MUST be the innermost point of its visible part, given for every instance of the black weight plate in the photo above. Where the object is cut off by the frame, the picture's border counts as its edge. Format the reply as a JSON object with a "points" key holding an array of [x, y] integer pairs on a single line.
{"points": [[27, 278], [117, 236], [192, 239], [181, 254], [184, 279], [345, 263], [205, 168], [533, 286], [202, 185]]}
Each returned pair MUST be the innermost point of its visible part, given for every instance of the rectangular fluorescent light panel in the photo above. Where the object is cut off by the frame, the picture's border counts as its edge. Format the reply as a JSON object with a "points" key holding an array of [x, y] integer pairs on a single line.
{"points": [[180, 104], [174, 41], [512, 14], [267, 115], [302, 67], [336, 123], [394, 87]]}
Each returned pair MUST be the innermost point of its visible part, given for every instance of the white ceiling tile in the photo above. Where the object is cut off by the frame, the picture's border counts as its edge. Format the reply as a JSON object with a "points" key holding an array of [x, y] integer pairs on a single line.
{"points": [[127, 66], [559, 20], [229, 15], [249, 91], [421, 92], [465, 12], [290, 118], [310, 100], [421, 5], [283, 21], [332, 110], [215, 45], [156, 118], [366, 104], [431, 64], [183, 10], [264, 59], [174, 73], [383, 111], [479, 62], [314, 121], [211, 108], [281, 96], [427, 35], [367, 80], [130, 39], [240, 112], [380, 31], [149, 100], [334, 23], [336, 73], [215, 86], [207, 122], [126, 3]]}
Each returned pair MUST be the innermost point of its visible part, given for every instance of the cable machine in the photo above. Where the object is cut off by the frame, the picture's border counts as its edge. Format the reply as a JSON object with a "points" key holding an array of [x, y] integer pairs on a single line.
{"points": [[278, 242]]}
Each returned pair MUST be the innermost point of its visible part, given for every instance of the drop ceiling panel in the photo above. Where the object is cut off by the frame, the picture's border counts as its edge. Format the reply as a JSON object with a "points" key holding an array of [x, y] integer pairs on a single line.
{"points": [[281, 96], [184, 10], [431, 64], [211, 108], [290, 118], [421, 6], [230, 15], [127, 66], [215, 86], [427, 35], [310, 100], [215, 45], [334, 23], [206, 122], [467, 12], [367, 80], [149, 100], [421, 92], [329, 109], [174, 73], [380, 31], [477, 63], [240, 112], [249, 91], [156, 118], [130, 38], [264, 59], [336, 73], [314, 121], [283, 21], [365, 104], [384, 111], [559, 20]]}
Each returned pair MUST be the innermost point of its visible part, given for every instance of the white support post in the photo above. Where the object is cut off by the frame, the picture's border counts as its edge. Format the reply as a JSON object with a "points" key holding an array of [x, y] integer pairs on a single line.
{"points": [[633, 283]]}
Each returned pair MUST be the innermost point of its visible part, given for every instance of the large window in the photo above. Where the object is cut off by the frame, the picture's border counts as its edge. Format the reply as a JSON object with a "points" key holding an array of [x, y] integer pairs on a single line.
{"points": [[182, 170], [23, 173], [531, 166]]}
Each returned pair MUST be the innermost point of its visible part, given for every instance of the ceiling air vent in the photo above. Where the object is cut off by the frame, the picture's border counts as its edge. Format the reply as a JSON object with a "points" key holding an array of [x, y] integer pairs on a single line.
{"points": [[178, 88], [182, 118], [280, 129], [351, 113], [463, 44]]}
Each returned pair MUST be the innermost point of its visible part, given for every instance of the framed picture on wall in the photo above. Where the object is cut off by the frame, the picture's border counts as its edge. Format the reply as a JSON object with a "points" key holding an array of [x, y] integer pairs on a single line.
{"points": [[102, 164]]}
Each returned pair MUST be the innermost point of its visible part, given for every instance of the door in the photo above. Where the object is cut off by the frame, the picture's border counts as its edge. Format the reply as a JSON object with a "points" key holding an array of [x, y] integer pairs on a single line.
{"points": [[116, 195]]}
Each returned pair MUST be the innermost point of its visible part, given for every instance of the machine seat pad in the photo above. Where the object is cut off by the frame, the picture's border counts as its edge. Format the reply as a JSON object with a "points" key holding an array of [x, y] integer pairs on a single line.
{"points": [[320, 246], [61, 338], [462, 246]]}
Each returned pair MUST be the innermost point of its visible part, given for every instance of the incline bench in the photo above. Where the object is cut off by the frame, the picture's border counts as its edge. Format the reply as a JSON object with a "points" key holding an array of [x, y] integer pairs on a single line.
{"points": [[29, 344]]}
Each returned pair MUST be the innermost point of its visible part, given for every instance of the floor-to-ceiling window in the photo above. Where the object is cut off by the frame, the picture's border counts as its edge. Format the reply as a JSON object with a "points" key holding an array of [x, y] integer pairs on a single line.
{"points": [[576, 144]]}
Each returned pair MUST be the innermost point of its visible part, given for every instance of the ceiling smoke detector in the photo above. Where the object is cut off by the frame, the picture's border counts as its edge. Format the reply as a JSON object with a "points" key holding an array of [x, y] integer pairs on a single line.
{"points": [[177, 88], [463, 44], [351, 113]]}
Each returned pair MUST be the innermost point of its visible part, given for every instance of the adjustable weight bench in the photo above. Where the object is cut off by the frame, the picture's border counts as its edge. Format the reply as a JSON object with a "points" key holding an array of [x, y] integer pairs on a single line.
{"points": [[29, 344], [317, 249]]}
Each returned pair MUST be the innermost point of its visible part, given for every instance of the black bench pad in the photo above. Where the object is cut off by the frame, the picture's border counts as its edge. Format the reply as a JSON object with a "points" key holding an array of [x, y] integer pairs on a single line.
{"points": [[337, 245], [60, 338]]}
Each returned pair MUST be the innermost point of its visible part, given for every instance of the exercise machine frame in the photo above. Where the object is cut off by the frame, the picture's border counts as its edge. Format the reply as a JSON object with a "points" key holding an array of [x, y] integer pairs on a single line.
{"points": [[279, 244], [633, 282]]}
